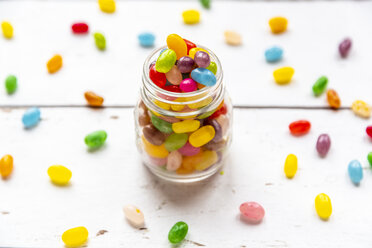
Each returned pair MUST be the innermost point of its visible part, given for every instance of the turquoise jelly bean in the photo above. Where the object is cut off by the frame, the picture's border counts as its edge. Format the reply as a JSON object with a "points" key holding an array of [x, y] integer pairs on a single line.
{"points": [[355, 171], [166, 61], [273, 54], [203, 76], [175, 141], [31, 117], [161, 125], [146, 39]]}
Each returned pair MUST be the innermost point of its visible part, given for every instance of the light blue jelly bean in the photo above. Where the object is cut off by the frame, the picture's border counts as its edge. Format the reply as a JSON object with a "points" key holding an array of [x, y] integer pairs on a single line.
{"points": [[146, 39], [273, 54], [203, 76], [31, 117], [355, 171]]}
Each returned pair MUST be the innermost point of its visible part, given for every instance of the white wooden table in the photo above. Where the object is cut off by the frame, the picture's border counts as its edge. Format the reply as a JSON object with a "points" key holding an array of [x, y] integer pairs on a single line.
{"points": [[34, 213]]}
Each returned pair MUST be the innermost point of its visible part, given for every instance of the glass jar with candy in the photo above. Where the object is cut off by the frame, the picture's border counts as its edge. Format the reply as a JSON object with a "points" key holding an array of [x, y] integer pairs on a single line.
{"points": [[184, 116]]}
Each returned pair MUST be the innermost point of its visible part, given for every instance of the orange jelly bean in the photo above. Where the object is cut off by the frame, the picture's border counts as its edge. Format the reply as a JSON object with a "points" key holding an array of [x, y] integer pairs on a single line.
{"points": [[333, 99], [299, 127], [54, 64], [93, 99], [6, 166]]}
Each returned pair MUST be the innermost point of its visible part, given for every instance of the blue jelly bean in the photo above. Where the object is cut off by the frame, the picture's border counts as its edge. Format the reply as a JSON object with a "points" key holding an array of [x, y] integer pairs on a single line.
{"points": [[31, 117], [146, 39], [355, 171], [273, 54], [203, 76]]}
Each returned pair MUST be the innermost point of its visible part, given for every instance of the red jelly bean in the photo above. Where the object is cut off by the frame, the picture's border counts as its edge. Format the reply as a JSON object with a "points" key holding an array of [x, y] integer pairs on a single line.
{"points": [[221, 111], [157, 78], [299, 127], [173, 88], [369, 131], [189, 45], [80, 28]]}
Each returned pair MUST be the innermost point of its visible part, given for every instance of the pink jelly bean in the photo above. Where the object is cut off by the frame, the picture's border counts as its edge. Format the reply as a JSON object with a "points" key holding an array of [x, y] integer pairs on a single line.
{"points": [[189, 150], [158, 161], [252, 212], [188, 85]]}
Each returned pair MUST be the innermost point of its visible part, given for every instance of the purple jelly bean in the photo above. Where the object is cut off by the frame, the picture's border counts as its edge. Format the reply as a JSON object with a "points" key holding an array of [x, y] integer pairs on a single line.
{"points": [[217, 129], [188, 85], [189, 150], [202, 59], [344, 47], [323, 144], [185, 64]]}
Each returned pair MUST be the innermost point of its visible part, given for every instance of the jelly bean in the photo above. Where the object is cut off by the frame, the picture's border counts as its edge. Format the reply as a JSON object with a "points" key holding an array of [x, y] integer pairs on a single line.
{"points": [[283, 75], [174, 76], [274, 54], [93, 99], [224, 123], [200, 161], [233, 38], [31, 117], [6, 166], [7, 29], [202, 136], [189, 150], [107, 6], [189, 45], [369, 131], [299, 127], [221, 111], [174, 161], [178, 232], [153, 135], [344, 47], [80, 28], [191, 16], [75, 237], [194, 50], [175, 141], [202, 59], [355, 171], [333, 99], [361, 109], [134, 216], [166, 61], [158, 161], [184, 171], [162, 105], [217, 128], [323, 206], [177, 44], [11, 84], [59, 174], [203, 76], [185, 64], [323, 144], [215, 146], [54, 64], [290, 166], [252, 212], [188, 85], [320, 85], [212, 67], [278, 24], [154, 151], [146, 39], [172, 88], [100, 41], [206, 3], [161, 125], [185, 126], [95, 139], [157, 78], [369, 158], [143, 118]]}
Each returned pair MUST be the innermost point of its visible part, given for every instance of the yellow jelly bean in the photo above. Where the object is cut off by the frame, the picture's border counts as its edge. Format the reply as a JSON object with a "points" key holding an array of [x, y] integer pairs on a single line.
{"points": [[290, 165], [177, 44], [194, 50], [55, 63], [283, 75], [7, 29], [162, 105], [107, 6], [202, 136], [6, 166], [200, 161], [323, 206], [191, 16], [201, 103], [361, 108], [278, 24], [186, 126], [153, 150], [59, 174], [75, 237], [177, 107]]}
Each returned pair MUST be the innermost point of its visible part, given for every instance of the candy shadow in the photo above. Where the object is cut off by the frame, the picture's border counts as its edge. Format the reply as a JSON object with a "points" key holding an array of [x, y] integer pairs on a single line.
{"points": [[97, 149], [249, 222]]}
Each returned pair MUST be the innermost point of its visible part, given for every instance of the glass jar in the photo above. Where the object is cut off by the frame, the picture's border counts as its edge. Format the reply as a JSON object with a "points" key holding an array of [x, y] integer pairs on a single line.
{"points": [[183, 137]]}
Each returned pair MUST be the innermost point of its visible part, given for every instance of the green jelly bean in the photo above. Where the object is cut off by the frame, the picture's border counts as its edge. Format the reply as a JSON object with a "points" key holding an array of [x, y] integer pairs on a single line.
{"points": [[161, 125], [95, 139], [100, 41], [206, 114], [320, 85], [178, 232], [11, 84], [206, 3], [166, 61], [212, 67], [175, 141], [369, 157]]}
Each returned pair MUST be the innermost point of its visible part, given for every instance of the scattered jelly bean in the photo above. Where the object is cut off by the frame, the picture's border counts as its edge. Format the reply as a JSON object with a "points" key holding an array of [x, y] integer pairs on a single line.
{"points": [[54, 64], [178, 232], [161, 125], [174, 161], [355, 171], [283, 75], [369, 131], [7, 29], [278, 24], [174, 76], [175, 141], [300, 127], [369, 158], [323, 144], [320, 85], [185, 64], [107, 6], [157, 78], [206, 3], [191, 16], [100, 41], [323, 206], [203, 76], [200, 161], [134, 216], [95, 139], [202, 59], [189, 150], [221, 111], [11, 84], [290, 166], [75, 237], [361, 108], [31, 117], [6, 166], [344, 47], [274, 54], [146, 39], [80, 28], [212, 67], [333, 99], [59, 174], [252, 212], [188, 85], [217, 128], [166, 61], [233, 38], [153, 135], [189, 45], [194, 50], [186, 126], [153, 150], [202, 136], [177, 44], [93, 99]]}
